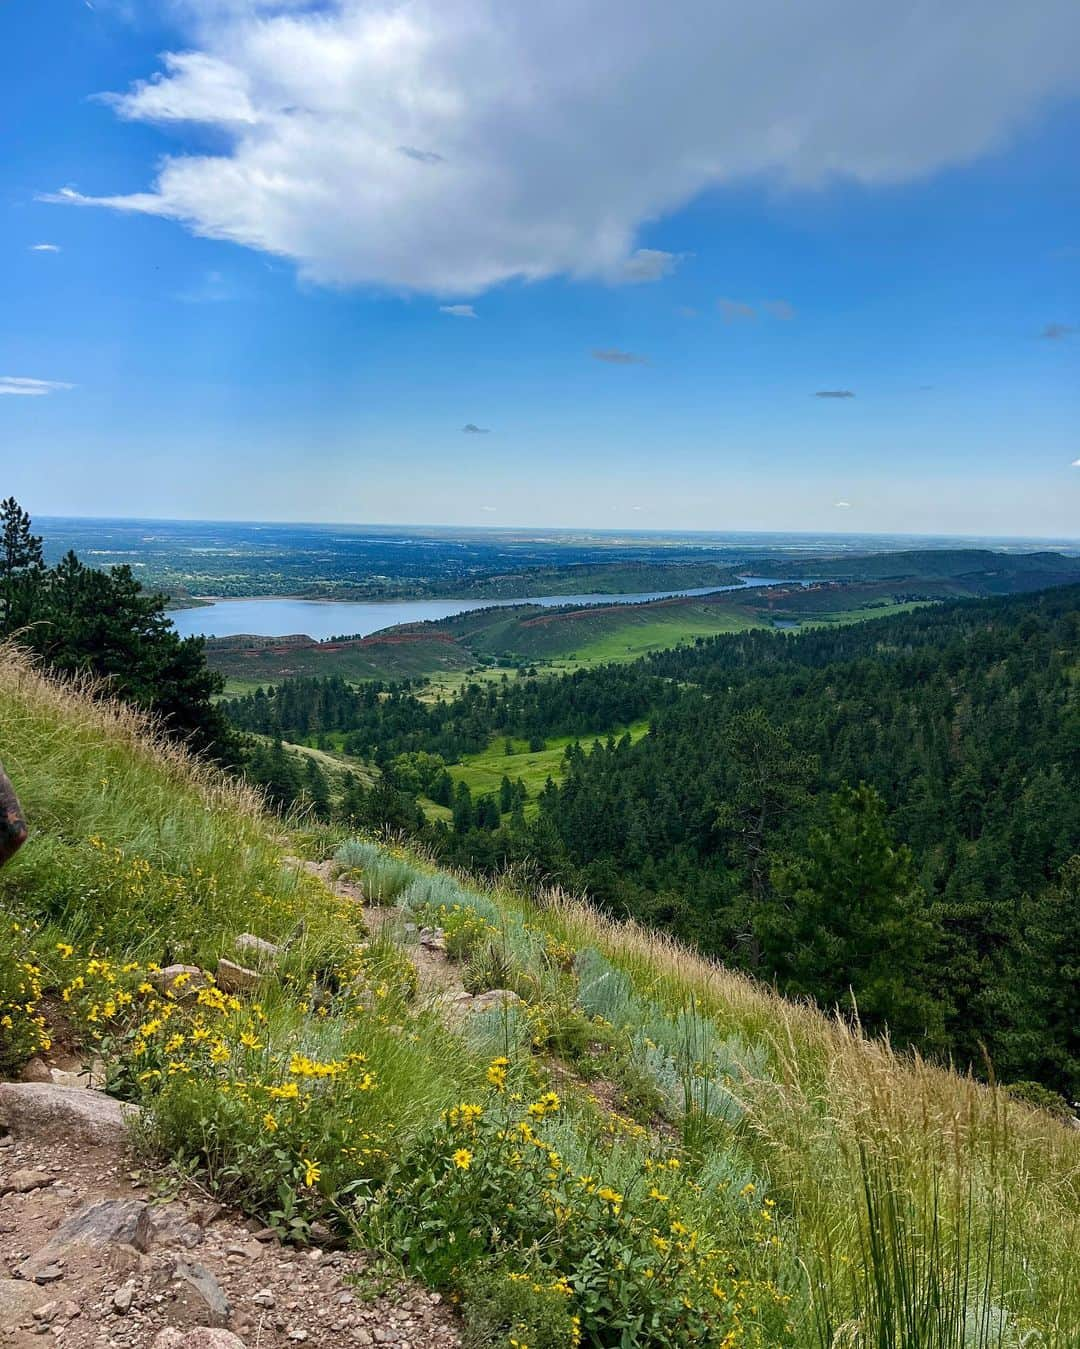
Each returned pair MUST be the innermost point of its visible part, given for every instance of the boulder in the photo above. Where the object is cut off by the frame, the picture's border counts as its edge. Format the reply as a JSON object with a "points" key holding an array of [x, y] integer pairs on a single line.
{"points": [[233, 978], [19, 1299], [95, 1227], [43, 1110], [257, 950]]}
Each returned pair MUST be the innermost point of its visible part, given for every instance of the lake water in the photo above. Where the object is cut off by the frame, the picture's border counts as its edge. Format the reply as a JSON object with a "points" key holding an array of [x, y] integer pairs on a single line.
{"points": [[330, 618]]}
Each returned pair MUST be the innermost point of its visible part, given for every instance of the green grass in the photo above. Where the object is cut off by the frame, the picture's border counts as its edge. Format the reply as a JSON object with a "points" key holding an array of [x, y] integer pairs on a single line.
{"points": [[483, 772]]}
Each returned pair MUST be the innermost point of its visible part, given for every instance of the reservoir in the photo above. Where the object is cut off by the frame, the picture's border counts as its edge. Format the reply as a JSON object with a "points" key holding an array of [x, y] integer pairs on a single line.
{"points": [[321, 619]]}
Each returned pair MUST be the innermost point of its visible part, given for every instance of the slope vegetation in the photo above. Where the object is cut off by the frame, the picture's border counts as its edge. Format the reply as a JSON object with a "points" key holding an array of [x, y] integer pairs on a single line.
{"points": [[627, 1146]]}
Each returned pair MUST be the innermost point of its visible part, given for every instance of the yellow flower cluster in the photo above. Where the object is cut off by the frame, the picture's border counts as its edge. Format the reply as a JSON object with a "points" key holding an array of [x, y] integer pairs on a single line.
{"points": [[23, 1028]]}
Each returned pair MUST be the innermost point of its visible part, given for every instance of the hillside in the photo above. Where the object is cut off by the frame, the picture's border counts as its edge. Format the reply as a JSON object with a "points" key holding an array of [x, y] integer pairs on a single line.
{"points": [[676, 1156], [829, 591], [978, 570]]}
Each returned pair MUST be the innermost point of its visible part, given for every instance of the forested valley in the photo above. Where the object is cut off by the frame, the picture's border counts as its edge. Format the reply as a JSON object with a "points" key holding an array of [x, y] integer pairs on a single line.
{"points": [[883, 816]]}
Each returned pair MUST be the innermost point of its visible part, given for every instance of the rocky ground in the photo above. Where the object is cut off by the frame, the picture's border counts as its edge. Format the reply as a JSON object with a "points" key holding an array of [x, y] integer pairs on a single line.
{"points": [[90, 1258]]}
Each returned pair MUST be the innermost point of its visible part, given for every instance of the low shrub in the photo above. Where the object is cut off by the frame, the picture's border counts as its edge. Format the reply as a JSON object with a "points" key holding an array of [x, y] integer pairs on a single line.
{"points": [[383, 875], [514, 1309], [485, 1188]]}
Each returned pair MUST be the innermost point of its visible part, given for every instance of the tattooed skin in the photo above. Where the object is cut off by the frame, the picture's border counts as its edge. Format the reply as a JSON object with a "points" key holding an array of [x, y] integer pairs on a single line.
{"points": [[12, 822]]}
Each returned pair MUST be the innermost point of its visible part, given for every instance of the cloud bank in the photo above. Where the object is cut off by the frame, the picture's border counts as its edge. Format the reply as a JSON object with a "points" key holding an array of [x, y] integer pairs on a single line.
{"points": [[561, 127]]}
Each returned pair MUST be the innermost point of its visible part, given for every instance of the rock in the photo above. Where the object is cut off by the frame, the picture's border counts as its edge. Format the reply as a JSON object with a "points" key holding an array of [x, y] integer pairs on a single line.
{"points": [[18, 1299], [494, 997], [47, 1274], [465, 1003], [123, 1298], [90, 1078], [97, 1226], [200, 1337], [264, 1298], [233, 978], [259, 952], [49, 1312], [64, 1114], [191, 980], [433, 938], [202, 1293], [25, 1180], [35, 1070]]}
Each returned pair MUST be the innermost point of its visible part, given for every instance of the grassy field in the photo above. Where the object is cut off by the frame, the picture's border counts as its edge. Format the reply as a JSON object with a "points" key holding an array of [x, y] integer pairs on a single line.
{"points": [[484, 772], [647, 1149]]}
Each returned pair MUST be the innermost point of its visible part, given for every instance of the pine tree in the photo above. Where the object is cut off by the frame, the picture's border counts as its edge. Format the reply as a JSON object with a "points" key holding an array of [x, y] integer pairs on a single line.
{"points": [[850, 925], [316, 789], [22, 567]]}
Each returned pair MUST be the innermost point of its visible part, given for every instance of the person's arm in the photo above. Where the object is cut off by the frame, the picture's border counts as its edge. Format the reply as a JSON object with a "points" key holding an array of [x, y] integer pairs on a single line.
{"points": [[12, 821]]}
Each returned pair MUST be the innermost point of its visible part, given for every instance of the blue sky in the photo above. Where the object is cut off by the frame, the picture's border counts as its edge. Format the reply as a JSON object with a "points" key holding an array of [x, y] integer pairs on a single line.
{"points": [[261, 244]]}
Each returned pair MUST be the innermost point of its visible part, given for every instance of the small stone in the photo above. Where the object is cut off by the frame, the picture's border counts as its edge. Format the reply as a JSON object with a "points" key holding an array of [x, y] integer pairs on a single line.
{"points": [[25, 1180], [233, 978], [264, 1298], [48, 1274], [50, 1312], [204, 1289], [35, 1070], [123, 1298], [191, 980], [297, 1336]]}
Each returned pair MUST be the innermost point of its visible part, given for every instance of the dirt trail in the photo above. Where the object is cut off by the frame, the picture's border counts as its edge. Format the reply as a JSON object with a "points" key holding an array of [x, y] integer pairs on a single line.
{"points": [[95, 1254]]}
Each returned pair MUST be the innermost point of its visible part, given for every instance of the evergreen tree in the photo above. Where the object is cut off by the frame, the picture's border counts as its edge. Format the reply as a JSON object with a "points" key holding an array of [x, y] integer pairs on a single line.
{"points": [[351, 809], [850, 926], [770, 781], [22, 567], [316, 789]]}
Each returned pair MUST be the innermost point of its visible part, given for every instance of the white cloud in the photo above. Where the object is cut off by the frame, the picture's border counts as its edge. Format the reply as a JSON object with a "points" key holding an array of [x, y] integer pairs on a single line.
{"points": [[842, 505], [44, 248], [459, 311], [1076, 463], [563, 127], [648, 264], [22, 387]]}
